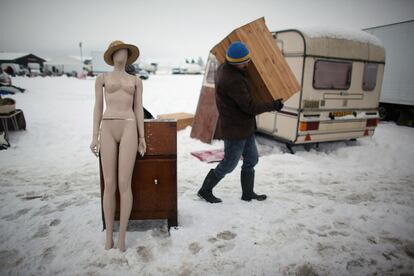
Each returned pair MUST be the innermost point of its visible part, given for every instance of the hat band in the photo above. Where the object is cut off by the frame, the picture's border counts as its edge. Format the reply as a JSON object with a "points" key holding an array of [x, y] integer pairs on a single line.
{"points": [[238, 60]]}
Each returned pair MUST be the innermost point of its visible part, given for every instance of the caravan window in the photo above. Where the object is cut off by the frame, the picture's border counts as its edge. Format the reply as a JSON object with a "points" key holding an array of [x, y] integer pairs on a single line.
{"points": [[332, 74], [369, 79]]}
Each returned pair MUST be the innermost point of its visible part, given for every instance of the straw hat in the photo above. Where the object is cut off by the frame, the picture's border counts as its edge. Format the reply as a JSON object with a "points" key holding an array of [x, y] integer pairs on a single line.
{"points": [[133, 51]]}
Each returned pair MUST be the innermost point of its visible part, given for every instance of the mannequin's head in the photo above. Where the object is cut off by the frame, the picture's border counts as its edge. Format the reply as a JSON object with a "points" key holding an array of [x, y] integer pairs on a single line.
{"points": [[120, 56]]}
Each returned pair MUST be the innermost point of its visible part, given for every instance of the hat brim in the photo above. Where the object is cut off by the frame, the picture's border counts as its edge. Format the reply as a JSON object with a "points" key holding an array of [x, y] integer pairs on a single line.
{"points": [[240, 60], [133, 53], [238, 63]]}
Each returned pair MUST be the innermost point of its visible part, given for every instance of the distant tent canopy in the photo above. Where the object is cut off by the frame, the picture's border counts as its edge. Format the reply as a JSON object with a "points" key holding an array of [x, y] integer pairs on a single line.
{"points": [[20, 58]]}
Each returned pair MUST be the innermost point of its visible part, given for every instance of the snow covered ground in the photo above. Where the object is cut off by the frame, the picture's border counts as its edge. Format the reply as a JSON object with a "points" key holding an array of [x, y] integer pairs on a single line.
{"points": [[340, 210]]}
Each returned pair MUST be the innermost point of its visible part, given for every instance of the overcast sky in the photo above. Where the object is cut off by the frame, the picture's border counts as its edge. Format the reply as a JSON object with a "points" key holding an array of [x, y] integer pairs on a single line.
{"points": [[169, 29]]}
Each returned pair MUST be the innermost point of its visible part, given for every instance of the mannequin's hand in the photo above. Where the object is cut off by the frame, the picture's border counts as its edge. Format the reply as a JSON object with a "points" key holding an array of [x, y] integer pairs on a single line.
{"points": [[142, 146], [94, 147]]}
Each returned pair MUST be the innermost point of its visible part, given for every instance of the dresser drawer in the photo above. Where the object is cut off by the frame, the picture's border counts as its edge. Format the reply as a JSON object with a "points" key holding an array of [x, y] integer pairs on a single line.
{"points": [[154, 184]]}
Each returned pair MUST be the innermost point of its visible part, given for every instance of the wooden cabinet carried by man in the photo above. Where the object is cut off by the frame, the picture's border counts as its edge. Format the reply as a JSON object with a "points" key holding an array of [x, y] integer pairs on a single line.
{"points": [[268, 72], [154, 179]]}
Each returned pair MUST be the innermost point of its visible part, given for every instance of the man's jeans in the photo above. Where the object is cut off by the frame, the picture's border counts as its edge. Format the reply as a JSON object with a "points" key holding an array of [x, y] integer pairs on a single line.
{"points": [[233, 150]]}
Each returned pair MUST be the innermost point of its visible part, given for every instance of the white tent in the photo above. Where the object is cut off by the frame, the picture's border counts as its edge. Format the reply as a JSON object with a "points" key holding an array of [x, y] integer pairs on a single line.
{"points": [[65, 64]]}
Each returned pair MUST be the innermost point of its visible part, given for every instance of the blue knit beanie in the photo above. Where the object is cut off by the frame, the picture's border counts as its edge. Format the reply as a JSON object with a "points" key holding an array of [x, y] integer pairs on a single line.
{"points": [[237, 53]]}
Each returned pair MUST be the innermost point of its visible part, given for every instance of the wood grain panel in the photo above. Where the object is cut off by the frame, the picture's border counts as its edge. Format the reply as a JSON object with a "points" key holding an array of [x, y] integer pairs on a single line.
{"points": [[268, 70]]}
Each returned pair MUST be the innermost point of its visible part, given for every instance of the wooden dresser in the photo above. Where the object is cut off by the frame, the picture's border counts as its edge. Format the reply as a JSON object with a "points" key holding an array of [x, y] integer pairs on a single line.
{"points": [[154, 180]]}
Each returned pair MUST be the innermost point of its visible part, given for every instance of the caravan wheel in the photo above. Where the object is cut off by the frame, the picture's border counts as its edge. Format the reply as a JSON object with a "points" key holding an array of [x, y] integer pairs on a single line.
{"points": [[384, 112]]}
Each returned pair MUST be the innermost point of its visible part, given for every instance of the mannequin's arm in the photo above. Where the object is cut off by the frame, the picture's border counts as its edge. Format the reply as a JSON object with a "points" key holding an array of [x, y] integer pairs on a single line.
{"points": [[139, 114], [98, 109]]}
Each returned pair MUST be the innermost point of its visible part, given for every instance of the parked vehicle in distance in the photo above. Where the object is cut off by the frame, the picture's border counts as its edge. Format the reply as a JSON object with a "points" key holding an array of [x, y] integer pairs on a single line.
{"points": [[34, 69], [72, 73], [176, 70], [187, 68], [194, 69], [150, 68], [14, 69], [142, 74]]}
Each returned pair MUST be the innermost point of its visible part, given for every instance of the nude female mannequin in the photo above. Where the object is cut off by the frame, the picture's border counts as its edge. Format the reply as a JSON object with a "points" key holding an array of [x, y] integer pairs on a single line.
{"points": [[121, 136]]}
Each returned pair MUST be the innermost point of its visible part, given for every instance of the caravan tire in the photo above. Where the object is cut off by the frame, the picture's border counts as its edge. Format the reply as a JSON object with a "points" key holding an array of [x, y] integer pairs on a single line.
{"points": [[384, 112]]}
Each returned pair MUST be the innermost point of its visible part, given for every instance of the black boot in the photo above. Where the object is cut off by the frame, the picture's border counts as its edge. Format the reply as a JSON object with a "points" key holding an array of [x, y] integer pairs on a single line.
{"points": [[247, 183], [206, 191]]}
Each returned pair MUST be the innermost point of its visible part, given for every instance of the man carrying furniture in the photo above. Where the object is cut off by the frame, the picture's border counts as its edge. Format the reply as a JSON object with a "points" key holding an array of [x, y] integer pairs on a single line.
{"points": [[237, 121]]}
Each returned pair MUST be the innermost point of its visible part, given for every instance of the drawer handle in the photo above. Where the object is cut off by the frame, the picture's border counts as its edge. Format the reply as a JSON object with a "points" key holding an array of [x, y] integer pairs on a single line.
{"points": [[156, 181]]}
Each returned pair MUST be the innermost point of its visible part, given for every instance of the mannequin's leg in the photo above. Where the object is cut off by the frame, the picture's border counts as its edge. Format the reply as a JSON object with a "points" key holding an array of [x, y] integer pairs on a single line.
{"points": [[109, 156], [128, 148]]}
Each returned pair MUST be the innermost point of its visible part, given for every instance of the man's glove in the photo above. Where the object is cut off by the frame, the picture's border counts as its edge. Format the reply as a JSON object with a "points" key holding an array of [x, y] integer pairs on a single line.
{"points": [[278, 105]]}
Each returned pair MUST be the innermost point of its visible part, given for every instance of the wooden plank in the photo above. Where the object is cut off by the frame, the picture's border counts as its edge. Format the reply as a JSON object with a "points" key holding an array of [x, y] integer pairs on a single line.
{"points": [[206, 117], [183, 119], [268, 70]]}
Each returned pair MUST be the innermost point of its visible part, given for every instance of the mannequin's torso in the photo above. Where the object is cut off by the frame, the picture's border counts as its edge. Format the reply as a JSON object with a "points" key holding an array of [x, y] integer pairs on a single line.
{"points": [[119, 96]]}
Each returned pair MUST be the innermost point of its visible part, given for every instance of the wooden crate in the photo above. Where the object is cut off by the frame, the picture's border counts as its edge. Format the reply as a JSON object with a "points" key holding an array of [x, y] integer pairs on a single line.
{"points": [[268, 70], [206, 118], [183, 119], [154, 179]]}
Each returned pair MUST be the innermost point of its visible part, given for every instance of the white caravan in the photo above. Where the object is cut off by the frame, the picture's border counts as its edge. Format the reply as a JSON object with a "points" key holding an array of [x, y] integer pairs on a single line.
{"points": [[340, 72]]}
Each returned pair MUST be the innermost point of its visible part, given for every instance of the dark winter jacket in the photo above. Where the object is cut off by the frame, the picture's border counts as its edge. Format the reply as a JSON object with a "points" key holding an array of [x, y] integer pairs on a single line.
{"points": [[237, 110]]}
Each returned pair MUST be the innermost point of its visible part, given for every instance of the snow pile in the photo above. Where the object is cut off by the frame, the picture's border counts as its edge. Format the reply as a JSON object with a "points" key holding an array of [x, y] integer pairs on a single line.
{"points": [[340, 210], [340, 33]]}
